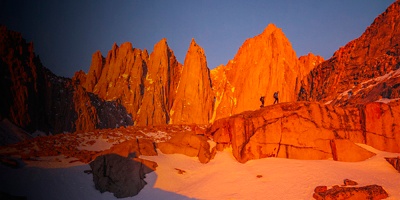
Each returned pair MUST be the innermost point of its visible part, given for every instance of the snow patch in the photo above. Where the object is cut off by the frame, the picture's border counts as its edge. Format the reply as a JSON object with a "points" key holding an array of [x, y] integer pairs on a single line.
{"points": [[386, 100], [158, 136]]}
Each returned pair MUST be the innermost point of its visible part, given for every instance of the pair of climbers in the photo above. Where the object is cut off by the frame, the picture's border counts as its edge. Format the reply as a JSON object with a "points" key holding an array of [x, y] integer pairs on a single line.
{"points": [[262, 98]]}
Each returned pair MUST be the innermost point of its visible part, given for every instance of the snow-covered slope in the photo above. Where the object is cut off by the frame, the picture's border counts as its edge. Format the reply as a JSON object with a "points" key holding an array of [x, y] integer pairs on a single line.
{"points": [[222, 178]]}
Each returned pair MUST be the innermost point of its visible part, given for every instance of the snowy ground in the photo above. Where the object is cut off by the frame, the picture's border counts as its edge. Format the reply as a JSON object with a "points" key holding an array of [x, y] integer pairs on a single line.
{"points": [[221, 178]]}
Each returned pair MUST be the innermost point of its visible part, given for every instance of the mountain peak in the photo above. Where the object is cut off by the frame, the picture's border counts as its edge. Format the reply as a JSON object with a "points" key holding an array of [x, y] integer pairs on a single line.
{"points": [[193, 43], [161, 45], [270, 29]]}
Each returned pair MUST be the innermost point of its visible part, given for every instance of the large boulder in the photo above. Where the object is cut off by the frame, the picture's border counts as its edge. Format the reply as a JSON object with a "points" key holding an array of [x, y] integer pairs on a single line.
{"points": [[187, 143], [122, 176], [305, 130]]}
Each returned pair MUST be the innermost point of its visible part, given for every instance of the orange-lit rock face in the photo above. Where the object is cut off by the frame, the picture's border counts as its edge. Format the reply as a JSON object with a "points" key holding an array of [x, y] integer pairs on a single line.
{"points": [[145, 85], [374, 54], [160, 85], [119, 77], [263, 65], [308, 63], [194, 97], [309, 131]]}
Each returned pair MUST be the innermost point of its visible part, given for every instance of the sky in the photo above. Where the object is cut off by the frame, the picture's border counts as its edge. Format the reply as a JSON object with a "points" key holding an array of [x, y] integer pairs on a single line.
{"points": [[66, 33]]}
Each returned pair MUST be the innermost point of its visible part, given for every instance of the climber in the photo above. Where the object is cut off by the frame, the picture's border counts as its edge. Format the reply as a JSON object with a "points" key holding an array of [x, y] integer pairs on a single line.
{"points": [[276, 97], [262, 101]]}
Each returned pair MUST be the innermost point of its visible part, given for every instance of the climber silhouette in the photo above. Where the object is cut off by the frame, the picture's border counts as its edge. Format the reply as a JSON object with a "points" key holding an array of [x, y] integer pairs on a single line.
{"points": [[262, 101], [276, 97]]}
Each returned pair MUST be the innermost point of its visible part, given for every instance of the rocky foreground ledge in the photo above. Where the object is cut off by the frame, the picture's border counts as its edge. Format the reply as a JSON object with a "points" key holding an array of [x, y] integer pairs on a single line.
{"points": [[307, 130]]}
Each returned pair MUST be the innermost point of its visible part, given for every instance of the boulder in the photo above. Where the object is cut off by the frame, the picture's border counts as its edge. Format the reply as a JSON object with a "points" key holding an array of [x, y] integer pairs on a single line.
{"points": [[187, 143], [119, 175]]}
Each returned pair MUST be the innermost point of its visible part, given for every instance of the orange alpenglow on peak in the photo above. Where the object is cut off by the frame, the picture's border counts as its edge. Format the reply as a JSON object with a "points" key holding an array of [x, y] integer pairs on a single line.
{"points": [[270, 28], [263, 65], [160, 83], [194, 100], [374, 54]]}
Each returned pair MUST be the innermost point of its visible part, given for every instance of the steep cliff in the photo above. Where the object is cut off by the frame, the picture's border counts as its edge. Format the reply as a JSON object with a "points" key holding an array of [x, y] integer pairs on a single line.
{"points": [[36, 99], [161, 82], [194, 97], [374, 54], [263, 65]]}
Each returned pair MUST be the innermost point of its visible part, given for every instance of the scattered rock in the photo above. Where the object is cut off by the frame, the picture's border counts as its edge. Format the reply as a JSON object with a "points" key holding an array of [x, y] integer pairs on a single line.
{"points": [[180, 171], [374, 192], [348, 182], [120, 175]]}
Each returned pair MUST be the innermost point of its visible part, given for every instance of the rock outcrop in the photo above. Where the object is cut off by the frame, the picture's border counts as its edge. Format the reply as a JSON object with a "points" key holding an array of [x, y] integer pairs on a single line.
{"points": [[264, 64], [306, 130], [374, 54]]}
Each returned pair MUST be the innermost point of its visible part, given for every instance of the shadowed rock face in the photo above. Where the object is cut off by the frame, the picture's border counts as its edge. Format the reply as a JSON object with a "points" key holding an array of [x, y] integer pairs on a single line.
{"points": [[122, 176], [118, 77], [375, 53], [309, 131], [36, 99]]}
